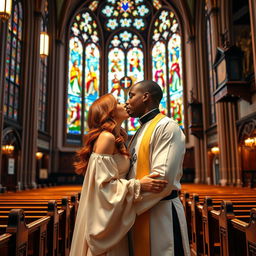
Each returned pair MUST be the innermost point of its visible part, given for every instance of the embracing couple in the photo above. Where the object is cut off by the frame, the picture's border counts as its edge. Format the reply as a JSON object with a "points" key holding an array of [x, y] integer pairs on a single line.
{"points": [[129, 203]]}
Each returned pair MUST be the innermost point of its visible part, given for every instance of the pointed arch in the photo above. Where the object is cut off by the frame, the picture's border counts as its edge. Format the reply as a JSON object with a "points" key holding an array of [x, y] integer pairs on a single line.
{"points": [[166, 55]]}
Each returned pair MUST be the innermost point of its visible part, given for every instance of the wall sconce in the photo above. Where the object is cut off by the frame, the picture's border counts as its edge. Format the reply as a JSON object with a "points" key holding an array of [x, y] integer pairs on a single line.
{"points": [[250, 142], [39, 155], [7, 149], [215, 150], [5, 9], [44, 44]]}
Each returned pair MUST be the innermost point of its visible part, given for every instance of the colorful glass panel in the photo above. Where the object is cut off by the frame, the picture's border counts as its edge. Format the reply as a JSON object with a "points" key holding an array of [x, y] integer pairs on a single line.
{"points": [[135, 64], [126, 14], [94, 5], [13, 62], [157, 4], [125, 67], [84, 70], [175, 78], [165, 25], [75, 87], [159, 71], [167, 64], [92, 77], [116, 70]]}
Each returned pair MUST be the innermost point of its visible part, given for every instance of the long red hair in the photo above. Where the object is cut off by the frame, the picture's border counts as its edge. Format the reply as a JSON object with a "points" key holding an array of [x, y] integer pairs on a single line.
{"points": [[99, 119]]}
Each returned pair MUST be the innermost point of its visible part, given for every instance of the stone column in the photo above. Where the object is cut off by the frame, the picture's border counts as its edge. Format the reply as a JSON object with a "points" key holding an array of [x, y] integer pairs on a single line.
{"points": [[30, 112], [3, 32], [55, 107], [227, 136], [191, 55]]}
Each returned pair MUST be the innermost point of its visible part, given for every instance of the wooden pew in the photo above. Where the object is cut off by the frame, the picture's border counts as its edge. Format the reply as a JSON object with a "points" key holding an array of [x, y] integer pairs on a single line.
{"points": [[39, 207], [200, 215], [233, 239], [251, 234], [15, 241], [59, 228], [207, 223], [62, 230]]}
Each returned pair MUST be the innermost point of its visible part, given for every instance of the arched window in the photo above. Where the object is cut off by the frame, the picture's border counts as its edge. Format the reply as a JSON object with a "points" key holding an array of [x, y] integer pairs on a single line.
{"points": [[125, 26], [13, 63], [125, 67], [167, 63], [43, 76], [83, 70], [126, 47]]}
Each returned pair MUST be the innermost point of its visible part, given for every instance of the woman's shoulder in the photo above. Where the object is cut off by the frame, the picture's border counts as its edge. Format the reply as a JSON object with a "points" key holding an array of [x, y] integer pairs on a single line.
{"points": [[105, 143], [107, 136]]}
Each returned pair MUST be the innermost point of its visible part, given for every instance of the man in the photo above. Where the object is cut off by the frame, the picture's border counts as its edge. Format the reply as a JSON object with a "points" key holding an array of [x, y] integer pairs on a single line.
{"points": [[159, 147]]}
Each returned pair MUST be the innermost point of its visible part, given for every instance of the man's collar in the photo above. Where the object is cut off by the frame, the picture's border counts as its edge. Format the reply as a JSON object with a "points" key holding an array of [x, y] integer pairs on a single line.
{"points": [[149, 116]]}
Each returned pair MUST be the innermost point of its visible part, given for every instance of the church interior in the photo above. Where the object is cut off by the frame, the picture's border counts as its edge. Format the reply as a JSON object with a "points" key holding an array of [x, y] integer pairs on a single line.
{"points": [[58, 56]]}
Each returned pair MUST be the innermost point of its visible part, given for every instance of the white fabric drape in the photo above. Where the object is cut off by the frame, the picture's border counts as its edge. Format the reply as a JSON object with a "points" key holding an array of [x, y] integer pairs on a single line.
{"points": [[106, 208]]}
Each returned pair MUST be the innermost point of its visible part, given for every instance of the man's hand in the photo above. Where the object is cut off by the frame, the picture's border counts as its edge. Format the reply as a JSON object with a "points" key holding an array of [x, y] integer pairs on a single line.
{"points": [[149, 183]]}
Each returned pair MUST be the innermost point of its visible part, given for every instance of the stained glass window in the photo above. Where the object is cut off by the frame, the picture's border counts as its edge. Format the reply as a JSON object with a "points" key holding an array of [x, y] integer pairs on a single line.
{"points": [[43, 76], [13, 62], [167, 64], [125, 67], [125, 14], [125, 28], [94, 5], [84, 71], [157, 4]]}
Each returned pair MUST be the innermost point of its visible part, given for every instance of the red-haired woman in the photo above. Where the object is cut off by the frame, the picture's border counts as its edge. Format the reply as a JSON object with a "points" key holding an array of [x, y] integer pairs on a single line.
{"points": [[106, 209]]}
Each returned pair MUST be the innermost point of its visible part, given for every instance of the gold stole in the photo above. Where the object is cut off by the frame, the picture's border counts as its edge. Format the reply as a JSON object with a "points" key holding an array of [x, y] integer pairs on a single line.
{"points": [[141, 230]]}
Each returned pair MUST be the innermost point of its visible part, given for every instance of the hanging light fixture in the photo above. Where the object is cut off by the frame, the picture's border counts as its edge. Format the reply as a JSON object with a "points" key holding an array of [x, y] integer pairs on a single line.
{"points": [[215, 150], [39, 155], [5, 9], [7, 149], [250, 142], [44, 44]]}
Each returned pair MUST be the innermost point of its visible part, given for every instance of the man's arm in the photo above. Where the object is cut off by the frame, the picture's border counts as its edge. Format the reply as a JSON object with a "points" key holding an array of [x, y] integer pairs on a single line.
{"points": [[167, 152]]}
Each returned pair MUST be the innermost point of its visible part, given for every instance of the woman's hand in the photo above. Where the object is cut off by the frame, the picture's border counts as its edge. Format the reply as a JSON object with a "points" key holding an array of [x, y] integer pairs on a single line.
{"points": [[149, 184]]}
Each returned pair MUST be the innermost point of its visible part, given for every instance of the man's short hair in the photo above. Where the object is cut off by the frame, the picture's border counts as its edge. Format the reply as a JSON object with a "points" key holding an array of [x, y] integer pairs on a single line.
{"points": [[153, 89]]}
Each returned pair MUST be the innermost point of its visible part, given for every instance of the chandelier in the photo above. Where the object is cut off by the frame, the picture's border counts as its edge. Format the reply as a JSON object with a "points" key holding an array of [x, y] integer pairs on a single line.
{"points": [[5, 9]]}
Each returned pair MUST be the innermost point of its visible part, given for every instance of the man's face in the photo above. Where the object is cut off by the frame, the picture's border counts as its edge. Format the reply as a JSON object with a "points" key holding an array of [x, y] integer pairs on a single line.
{"points": [[135, 105]]}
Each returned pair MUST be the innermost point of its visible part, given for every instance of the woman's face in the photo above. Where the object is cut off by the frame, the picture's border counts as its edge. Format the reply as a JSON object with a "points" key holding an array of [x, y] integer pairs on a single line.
{"points": [[120, 114]]}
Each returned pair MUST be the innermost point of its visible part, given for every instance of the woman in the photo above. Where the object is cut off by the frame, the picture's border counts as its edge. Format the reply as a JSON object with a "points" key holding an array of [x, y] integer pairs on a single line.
{"points": [[106, 209]]}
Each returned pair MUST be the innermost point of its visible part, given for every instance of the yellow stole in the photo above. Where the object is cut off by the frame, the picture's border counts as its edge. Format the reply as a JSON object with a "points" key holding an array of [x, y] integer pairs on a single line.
{"points": [[141, 230]]}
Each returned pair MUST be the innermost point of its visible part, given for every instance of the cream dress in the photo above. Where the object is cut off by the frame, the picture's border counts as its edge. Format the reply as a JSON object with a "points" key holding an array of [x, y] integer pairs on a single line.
{"points": [[106, 208]]}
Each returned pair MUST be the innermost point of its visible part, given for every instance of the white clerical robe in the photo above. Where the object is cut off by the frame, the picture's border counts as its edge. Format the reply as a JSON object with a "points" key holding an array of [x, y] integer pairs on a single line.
{"points": [[167, 148]]}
